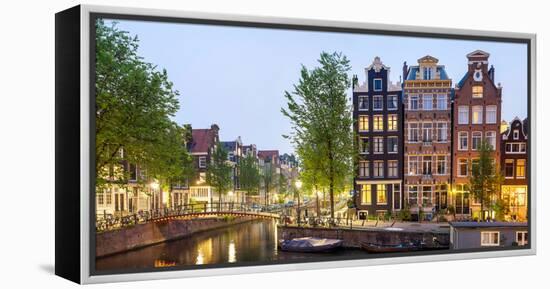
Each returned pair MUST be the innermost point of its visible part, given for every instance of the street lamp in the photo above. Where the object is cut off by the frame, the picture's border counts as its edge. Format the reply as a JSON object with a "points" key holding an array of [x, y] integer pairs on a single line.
{"points": [[154, 187]]}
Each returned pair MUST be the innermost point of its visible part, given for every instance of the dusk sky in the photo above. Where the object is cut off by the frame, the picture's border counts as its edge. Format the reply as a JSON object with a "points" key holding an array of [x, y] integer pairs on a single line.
{"points": [[236, 77]]}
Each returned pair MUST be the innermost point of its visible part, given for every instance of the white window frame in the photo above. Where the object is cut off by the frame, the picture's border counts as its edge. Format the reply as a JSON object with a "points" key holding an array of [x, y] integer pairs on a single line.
{"points": [[361, 148], [442, 97], [390, 168], [459, 144], [388, 121], [429, 130], [378, 116], [524, 238], [424, 101], [437, 162], [359, 122], [366, 171], [374, 84], [417, 97], [397, 144], [463, 111], [374, 98], [418, 131], [445, 131], [491, 114], [366, 97], [479, 135], [491, 244], [477, 109], [376, 141], [391, 97], [202, 162], [516, 134], [458, 163], [491, 138], [409, 166], [375, 171]]}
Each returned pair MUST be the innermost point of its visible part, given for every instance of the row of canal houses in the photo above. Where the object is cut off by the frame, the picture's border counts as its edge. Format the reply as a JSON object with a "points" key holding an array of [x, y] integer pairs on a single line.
{"points": [[143, 194], [418, 139]]}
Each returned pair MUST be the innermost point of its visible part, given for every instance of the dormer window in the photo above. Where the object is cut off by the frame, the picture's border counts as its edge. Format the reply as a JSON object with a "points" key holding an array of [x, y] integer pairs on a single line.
{"points": [[477, 91], [516, 134], [428, 73], [378, 84]]}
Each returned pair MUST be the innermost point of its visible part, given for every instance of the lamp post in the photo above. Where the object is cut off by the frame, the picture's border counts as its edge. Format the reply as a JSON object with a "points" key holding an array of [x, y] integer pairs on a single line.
{"points": [[298, 186], [230, 195], [154, 187]]}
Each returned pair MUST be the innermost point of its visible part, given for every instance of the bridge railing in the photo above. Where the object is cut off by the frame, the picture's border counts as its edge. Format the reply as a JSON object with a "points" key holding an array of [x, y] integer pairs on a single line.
{"points": [[107, 222]]}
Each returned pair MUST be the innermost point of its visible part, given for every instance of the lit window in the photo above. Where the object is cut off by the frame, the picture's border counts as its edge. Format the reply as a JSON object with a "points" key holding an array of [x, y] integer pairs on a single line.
{"points": [[463, 115], [100, 199], [363, 102], [381, 198], [491, 115], [377, 102], [476, 140], [392, 122], [363, 123], [463, 141], [477, 114], [477, 91], [366, 195], [520, 168], [490, 238], [378, 84], [378, 123]]}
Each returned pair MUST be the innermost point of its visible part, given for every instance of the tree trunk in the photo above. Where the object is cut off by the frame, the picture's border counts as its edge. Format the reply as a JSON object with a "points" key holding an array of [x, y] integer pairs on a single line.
{"points": [[331, 179]]}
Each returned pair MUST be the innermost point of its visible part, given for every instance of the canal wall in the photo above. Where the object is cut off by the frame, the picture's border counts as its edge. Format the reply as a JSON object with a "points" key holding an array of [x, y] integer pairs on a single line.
{"points": [[141, 235], [353, 237]]}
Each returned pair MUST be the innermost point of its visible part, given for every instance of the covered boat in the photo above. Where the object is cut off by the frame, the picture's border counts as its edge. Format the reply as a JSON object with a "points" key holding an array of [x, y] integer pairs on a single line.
{"points": [[384, 248], [310, 244]]}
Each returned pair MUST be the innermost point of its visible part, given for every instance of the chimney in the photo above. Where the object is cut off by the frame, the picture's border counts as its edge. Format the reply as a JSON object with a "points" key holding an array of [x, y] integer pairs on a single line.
{"points": [[492, 74], [405, 70]]}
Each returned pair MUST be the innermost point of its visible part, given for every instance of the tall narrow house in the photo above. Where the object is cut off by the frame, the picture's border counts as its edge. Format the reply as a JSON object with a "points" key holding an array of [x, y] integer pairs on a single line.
{"points": [[476, 111], [378, 114], [513, 146], [427, 154]]}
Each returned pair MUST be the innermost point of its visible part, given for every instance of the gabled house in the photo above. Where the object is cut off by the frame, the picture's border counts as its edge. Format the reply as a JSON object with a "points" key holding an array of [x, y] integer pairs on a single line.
{"points": [[201, 146], [515, 168]]}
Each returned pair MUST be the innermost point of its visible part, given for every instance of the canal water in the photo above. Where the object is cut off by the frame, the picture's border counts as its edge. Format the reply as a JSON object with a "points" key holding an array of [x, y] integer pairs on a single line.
{"points": [[254, 241]]}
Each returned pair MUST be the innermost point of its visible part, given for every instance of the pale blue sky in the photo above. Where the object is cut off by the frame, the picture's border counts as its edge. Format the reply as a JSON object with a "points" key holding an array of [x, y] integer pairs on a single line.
{"points": [[236, 77]]}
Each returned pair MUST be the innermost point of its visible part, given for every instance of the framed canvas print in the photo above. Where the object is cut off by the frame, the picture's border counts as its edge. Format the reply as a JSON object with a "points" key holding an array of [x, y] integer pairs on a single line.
{"points": [[192, 144]]}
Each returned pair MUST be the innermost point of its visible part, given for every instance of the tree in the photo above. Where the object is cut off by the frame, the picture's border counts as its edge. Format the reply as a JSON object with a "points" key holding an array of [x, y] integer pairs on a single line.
{"points": [[268, 179], [134, 106], [282, 185], [485, 178], [249, 175], [218, 173], [321, 118]]}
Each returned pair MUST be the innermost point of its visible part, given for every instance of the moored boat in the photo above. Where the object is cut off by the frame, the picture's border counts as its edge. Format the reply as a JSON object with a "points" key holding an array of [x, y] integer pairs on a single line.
{"points": [[310, 245], [384, 248]]}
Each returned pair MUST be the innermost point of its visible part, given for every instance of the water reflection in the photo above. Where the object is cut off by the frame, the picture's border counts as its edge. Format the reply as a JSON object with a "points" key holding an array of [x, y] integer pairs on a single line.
{"points": [[248, 242]]}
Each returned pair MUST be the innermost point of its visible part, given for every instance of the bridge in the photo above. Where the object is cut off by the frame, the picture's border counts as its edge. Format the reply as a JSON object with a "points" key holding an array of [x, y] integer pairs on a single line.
{"points": [[107, 222]]}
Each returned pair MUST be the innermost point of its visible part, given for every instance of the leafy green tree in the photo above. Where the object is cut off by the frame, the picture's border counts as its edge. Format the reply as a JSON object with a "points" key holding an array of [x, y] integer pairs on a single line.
{"points": [[218, 173], [268, 180], [249, 175], [134, 106], [321, 116], [485, 178]]}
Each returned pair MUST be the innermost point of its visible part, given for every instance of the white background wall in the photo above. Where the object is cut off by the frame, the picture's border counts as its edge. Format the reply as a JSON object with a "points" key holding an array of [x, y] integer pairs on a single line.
{"points": [[27, 142]]}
